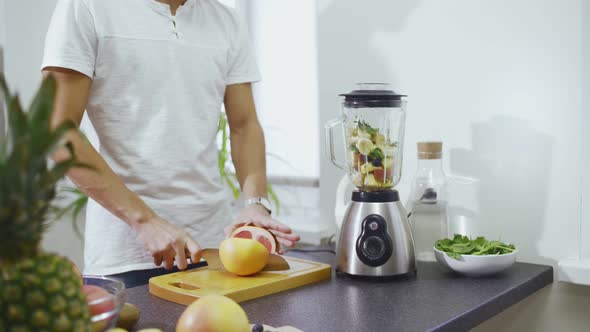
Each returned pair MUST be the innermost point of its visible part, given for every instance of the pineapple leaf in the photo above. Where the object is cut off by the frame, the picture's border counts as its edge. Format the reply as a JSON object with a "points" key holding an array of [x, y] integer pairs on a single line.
{"points": [[42, 104], [40, 113], [27, 183], [4, 87], [60, 169], [17, 120], [57, 134]]}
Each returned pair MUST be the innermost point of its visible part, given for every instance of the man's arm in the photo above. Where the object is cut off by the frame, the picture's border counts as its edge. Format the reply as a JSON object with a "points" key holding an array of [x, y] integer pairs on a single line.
{"points": [[249, 158], [163, 240]]}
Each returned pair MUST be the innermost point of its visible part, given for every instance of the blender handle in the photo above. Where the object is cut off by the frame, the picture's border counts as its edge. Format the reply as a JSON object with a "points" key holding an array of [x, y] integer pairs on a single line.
{"points": [[329, 130]]}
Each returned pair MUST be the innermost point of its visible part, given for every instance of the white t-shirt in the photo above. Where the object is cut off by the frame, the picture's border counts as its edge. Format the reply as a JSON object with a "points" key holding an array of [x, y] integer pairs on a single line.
{"points": [[158, 86]]}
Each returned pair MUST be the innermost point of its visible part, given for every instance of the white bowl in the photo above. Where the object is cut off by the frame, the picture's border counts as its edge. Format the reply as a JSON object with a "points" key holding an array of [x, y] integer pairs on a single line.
{"points": [[475, 265]]}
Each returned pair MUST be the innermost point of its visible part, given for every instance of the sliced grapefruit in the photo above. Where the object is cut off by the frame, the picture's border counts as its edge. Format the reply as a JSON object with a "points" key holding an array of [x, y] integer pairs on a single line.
{"points": [[259, 234]]}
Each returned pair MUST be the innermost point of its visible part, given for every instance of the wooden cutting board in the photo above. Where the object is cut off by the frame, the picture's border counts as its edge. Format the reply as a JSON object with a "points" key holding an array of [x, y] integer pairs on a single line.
{"points": [[186, 286]]}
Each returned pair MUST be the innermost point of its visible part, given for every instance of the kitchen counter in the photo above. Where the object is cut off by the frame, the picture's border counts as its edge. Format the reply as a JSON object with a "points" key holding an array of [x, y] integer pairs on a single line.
{"points": [[434, 300]]}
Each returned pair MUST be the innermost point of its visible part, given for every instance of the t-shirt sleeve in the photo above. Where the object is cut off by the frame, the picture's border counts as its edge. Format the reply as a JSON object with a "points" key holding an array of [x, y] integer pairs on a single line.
{"points": [[242, 60], [71, 40]]}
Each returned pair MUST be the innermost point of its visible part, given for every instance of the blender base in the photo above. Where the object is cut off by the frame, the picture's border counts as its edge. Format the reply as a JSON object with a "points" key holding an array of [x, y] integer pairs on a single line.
{"points": [[375, 238], [398, 277]]}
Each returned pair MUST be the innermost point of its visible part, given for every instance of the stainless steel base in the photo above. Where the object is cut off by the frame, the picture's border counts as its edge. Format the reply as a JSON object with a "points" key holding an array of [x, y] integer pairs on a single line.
{"points": [[375, 241]]}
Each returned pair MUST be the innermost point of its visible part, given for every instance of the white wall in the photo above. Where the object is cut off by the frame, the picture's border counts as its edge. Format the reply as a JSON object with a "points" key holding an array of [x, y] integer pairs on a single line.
{"points": [[26, 22], [497, 81], [2, 43], [287, 97], [585, 124]]}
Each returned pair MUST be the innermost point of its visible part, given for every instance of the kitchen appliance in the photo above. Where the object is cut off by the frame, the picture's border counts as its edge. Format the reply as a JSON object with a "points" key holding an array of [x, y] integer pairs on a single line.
{"points": [[375, 238]]}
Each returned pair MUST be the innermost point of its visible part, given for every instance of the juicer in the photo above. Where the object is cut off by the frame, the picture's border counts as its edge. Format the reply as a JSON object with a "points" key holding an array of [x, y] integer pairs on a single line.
{"points": [[375, 238]]}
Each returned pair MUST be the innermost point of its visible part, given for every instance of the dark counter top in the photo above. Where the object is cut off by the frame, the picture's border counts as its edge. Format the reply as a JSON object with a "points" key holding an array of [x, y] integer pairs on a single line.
{"points": [[434, 300]]}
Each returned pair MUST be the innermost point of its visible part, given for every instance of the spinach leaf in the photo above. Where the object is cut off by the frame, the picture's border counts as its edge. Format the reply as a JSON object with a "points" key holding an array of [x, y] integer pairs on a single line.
{"points": [[376, 154], [463, 245], [364, 126]]}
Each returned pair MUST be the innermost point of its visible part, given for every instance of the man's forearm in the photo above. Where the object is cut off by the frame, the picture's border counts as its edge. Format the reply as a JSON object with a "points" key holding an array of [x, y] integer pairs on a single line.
{"points": [[103, 185], [100, 183], [249, 157]]}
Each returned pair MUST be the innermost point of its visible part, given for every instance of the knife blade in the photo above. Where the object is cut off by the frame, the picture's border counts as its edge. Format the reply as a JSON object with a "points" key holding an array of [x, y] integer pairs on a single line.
{"points": [[275, 262]]}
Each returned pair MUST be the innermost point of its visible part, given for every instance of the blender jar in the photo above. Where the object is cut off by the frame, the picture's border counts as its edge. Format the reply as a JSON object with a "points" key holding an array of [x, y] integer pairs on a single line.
{"points": [[373, 117]]}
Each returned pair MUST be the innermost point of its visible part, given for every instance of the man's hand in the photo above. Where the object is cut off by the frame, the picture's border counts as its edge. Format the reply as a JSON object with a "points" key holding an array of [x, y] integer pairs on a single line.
{"points": [[168, 243], [258, 216]]}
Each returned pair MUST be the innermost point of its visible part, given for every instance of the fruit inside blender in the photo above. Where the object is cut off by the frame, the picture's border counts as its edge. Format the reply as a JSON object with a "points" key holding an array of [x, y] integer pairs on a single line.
{"points": [[371, 156]]}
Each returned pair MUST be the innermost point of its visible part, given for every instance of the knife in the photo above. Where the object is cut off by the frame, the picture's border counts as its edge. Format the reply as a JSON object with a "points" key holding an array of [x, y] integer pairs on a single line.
{"points": [[275, 262]]}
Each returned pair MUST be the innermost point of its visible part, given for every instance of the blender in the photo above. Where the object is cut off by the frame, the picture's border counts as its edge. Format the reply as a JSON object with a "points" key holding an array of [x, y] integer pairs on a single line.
{"points": [[375, 238]]}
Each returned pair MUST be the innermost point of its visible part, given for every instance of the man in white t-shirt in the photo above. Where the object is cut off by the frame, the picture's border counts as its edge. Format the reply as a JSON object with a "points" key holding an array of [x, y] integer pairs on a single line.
{"points": [[152, 76]]}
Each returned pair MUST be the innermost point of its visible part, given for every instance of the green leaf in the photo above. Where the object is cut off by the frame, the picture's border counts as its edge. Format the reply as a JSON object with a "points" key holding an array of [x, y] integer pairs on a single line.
{"points": [[364, 126], [462, 245], [274, 198], [17, 121], [224, 159], [27, 185], [57, 134], [4, 87], [376, 153], [454, 255], [40, 113]]}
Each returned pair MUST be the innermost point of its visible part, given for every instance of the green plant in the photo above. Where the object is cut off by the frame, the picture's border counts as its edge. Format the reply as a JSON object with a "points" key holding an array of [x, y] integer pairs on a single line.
{"points": [[462, 245], [73, 208], [38, 291], [225, 165]]}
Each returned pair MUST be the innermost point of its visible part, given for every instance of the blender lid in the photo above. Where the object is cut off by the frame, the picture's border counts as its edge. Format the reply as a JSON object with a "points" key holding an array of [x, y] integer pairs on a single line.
{"points": [[372, 95]]}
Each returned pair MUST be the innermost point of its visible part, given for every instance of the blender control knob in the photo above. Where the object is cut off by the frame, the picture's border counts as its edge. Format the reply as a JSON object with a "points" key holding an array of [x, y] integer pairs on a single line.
{"points": [[374, 246]]}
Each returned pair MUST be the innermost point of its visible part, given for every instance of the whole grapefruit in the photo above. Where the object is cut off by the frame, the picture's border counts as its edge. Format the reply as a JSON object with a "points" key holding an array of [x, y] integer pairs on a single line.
{"points": [[243, 257], [213, 313]]}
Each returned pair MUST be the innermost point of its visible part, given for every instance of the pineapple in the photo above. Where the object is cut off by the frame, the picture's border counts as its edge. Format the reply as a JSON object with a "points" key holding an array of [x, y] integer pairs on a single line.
{"points": [[38, 291]]}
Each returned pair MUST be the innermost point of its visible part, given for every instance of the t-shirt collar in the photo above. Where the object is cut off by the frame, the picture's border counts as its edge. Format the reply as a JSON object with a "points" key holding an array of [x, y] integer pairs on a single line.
{"points": [[165, 8]]}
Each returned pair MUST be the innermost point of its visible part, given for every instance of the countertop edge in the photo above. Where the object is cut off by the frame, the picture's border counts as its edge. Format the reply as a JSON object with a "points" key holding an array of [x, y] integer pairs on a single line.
{"points": [[471, 318]]}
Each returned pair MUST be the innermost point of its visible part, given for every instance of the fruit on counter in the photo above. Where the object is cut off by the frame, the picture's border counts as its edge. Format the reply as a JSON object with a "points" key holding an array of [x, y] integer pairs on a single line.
{"points": [[150, 330], [76, 270], [99, 300], [38, 291], [213, 313], [117, 329], [243, 257], [259, 234], [128, 316], [42, 292]]}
